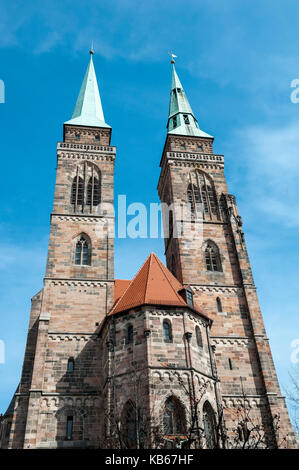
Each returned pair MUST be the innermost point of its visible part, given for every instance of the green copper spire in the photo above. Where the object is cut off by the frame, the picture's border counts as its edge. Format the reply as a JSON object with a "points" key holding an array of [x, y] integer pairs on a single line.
{"points": [[181, 120], [88, 110]]}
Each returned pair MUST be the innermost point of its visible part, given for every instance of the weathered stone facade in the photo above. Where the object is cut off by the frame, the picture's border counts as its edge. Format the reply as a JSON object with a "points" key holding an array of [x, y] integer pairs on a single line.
{"points": [[88, 364], [65, 314], [243, 357]]}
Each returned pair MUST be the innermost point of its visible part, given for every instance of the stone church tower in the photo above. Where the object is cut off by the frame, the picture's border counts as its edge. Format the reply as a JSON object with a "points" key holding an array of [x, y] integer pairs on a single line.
{"points": [[61, 371], [159, 359], [215, 264]]}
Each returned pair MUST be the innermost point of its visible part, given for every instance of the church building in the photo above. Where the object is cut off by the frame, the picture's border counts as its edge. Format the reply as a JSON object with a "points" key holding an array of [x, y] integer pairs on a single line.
{"points": [[176, 357]]}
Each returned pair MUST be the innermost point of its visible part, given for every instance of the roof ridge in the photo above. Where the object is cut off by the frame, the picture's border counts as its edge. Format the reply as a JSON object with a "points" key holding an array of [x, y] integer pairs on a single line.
{"points": [[125, 291], [150, 258], [164, 271]]}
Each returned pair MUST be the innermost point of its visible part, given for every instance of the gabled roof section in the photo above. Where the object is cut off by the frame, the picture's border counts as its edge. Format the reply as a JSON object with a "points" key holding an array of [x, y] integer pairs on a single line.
{"points": [[181, 119], [154, 284], [88, 110]]}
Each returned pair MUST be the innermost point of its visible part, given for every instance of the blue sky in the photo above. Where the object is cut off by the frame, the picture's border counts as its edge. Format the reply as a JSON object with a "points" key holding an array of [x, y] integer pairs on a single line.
{"points": [[236, 61]]}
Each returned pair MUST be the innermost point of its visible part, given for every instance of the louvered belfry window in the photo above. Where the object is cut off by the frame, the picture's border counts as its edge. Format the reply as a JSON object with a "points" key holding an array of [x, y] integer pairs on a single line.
{"points": [[86, 188], [201, 196], [77, 191]]}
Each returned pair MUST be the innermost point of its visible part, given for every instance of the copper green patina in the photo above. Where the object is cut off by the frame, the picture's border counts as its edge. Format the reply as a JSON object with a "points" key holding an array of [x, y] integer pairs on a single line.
{"points": [[88, 110], [181, 120]]}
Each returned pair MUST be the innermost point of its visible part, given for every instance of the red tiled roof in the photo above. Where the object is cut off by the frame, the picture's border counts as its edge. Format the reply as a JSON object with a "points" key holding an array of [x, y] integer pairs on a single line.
{"points": [[154, 284], [120, 285]]}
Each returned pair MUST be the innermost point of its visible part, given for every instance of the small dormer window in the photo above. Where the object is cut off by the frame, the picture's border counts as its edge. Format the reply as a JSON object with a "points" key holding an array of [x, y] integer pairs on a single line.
{"points": [[186, 119], [179, 90], [189, 297], [174, 122], [77, 136]]}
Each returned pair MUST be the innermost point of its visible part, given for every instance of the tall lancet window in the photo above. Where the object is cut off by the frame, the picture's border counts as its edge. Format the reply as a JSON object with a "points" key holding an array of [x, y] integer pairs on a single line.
{"points": [[167, 331], [83, 251], [193, 198], [212, 257], [86, 187], [77, 198], [93, 189], [174, 417], [209, 423], [201, 195]]}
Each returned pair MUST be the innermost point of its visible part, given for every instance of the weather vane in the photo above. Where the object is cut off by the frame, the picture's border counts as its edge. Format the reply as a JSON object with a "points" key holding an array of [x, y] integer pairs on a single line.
{"points": [[173, 56]]}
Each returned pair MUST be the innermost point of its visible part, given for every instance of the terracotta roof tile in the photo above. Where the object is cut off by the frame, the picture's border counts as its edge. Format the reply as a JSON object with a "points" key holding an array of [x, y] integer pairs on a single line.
{"points": [[154, 284], [120, 285]]}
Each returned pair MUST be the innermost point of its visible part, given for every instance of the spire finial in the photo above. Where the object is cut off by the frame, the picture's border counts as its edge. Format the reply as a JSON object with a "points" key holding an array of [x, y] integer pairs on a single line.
{"points": [[173, 56], [88, 110], [91, 51], [181, 120]]}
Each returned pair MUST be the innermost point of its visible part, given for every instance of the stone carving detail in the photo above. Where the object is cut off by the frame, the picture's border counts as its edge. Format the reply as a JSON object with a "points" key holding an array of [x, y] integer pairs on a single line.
{"points": [[85, 156], [58, 282], [219, 290], [58, 402], [79, 218], [193, 165], [72, 337], [196, 320], [235, 402], [178, 376], [231, 341], [165, 313]]}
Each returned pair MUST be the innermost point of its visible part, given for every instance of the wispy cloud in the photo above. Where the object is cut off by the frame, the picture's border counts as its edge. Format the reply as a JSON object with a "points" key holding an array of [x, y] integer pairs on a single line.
{"points": [[268, 159]]}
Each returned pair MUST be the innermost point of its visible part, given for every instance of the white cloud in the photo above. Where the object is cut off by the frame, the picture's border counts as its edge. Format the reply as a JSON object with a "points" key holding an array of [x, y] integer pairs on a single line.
{"points": [[268, 163]]}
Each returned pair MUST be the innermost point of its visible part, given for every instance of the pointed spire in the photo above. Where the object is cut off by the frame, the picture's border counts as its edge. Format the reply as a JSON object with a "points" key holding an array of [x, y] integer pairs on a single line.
{"points": [[181, 120], [88, 110]]}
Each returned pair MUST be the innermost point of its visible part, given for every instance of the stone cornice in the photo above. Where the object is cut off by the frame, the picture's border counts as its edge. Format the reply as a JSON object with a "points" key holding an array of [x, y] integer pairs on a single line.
{"points": [[82, 217], [196, 157], [230, 340], [79, 282], [222, 289], [72, 337], [85, 147], [85, 156]]}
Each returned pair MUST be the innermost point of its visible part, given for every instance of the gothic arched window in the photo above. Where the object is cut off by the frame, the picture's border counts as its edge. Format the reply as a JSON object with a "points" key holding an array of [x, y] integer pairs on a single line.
{"points": [[93, 191], [174, 417], [219, 305], [86, 187], [131, 425], [77, 197], [198, 337], [209, 423], [201, 191], [193, 197], [212, 257], [83, 251], [167, 331]]}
